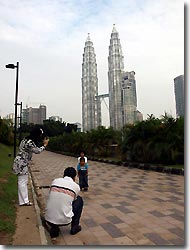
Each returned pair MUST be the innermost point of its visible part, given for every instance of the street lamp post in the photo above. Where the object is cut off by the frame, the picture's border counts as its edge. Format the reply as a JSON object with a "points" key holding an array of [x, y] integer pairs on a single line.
{"points": [[20, 123], [12, 66]]}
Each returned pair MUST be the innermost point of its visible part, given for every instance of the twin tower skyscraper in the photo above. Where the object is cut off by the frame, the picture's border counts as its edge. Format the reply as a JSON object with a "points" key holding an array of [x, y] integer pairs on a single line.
{"points": [[122, 88]]}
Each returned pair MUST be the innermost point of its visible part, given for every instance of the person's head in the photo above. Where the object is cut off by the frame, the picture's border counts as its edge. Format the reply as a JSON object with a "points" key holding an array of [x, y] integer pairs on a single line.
{"points": [[81, 153], [70, 172], [36, 134], [82, 161]]}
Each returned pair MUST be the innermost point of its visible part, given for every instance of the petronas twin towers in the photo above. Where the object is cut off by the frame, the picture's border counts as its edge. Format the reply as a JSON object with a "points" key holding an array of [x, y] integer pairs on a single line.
{"points": [[122, 88]]}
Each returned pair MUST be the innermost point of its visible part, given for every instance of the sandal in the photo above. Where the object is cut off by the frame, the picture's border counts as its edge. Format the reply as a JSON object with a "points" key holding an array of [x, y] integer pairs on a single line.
{"points": [[27, 204]]}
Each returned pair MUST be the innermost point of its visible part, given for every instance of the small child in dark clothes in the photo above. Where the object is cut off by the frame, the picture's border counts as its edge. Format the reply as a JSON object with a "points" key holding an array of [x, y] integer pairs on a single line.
{"points": [[82, 171]]}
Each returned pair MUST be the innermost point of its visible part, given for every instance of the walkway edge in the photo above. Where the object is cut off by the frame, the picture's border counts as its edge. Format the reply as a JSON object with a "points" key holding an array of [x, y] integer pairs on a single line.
{"points": [[43, 237]]}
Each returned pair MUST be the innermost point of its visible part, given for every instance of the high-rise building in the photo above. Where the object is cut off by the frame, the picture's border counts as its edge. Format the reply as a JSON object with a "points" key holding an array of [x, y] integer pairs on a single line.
{"points": [[115, 72], [122, 88], [25, 115], [42, 113], [34, 115], [129, 98], [139, 116], [78, 126], [90, 117], [179, 95]]}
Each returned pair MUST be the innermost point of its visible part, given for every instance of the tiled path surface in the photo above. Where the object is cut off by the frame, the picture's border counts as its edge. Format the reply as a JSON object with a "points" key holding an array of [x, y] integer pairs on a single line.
{"points": [[124, 206]]}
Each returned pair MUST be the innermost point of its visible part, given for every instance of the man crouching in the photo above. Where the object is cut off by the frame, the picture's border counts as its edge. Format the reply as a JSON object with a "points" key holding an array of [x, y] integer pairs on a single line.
{"points": [[64, 205]]}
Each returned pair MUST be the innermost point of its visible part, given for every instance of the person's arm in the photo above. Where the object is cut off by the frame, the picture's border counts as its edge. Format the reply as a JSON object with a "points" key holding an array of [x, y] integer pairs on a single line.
{"points": [[37, 150], [77, 191], [86, 169], [78, 168]]}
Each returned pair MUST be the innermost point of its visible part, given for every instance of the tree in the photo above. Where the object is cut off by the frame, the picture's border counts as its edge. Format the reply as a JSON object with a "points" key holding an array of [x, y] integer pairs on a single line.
{"points": [[6, 132], [155, 140]]}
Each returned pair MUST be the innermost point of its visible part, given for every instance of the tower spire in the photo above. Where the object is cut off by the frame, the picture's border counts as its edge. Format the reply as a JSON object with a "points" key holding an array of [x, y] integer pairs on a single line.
{"points": [[88, 37], [114, 29]]}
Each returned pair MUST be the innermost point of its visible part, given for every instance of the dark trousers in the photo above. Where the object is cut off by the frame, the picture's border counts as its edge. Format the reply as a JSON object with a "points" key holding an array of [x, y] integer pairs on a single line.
{"points": [[77, 207], [83, 178]]}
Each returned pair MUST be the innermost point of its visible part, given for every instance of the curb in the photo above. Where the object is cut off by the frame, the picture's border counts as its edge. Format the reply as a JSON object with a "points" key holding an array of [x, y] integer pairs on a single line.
{"points": [[43, 237]]}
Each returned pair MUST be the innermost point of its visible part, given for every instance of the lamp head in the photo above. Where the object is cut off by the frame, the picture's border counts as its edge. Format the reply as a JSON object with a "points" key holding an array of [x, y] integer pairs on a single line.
{"points": [[10, 66]]}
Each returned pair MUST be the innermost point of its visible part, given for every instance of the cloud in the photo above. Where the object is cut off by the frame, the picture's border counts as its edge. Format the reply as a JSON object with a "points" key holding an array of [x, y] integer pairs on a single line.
{"points": [[48, 37]]}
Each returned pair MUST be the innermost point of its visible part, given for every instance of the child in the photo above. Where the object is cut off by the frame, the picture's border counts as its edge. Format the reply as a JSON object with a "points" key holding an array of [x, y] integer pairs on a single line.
{"points": [[82, 155], [82, 171]]}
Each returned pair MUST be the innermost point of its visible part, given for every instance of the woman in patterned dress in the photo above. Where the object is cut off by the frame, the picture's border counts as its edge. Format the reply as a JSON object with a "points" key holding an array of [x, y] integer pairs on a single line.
{"points": [[27, 147]]}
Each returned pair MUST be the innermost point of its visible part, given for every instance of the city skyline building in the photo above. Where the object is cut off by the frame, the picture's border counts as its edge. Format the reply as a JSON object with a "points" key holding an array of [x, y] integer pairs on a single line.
{"points": [[121, 88], [139, 116], [90, 105], [115, 72], [129, 98], [34, 115], [179, 95]]}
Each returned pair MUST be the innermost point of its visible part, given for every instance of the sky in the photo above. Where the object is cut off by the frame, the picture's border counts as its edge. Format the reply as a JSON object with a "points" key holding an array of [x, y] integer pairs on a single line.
{"points": [[47, 38]]}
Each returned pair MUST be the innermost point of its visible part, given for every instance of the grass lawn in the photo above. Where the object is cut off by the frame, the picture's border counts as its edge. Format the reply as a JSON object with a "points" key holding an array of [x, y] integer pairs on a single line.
{"points": [[175, 166], [8, 194]]}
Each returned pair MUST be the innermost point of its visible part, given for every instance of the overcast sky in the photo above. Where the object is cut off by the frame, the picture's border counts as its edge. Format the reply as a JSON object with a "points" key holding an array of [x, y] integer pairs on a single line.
{"points": [[47, 38]]}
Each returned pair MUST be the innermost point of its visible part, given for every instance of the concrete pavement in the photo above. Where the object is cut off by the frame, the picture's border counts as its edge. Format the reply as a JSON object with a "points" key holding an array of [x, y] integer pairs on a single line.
{"points": [[124, 206]]}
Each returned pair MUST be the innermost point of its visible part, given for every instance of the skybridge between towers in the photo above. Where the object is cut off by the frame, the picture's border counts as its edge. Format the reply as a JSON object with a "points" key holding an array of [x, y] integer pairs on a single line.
{"points": [[99, 99]]}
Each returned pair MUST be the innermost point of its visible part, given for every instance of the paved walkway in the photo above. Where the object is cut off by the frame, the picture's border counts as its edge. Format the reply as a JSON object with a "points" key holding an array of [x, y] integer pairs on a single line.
{"points": [[124, 206]]}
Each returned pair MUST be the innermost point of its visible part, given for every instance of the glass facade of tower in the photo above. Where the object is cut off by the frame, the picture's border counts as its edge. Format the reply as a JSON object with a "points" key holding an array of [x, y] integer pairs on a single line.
{"points": [[90, 118], [129, 98], [179, 95], [115, 72]]}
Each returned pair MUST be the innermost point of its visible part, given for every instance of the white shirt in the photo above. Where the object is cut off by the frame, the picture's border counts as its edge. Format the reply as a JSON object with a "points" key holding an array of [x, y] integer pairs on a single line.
{"points": [[63, 192], [85, 159]]}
